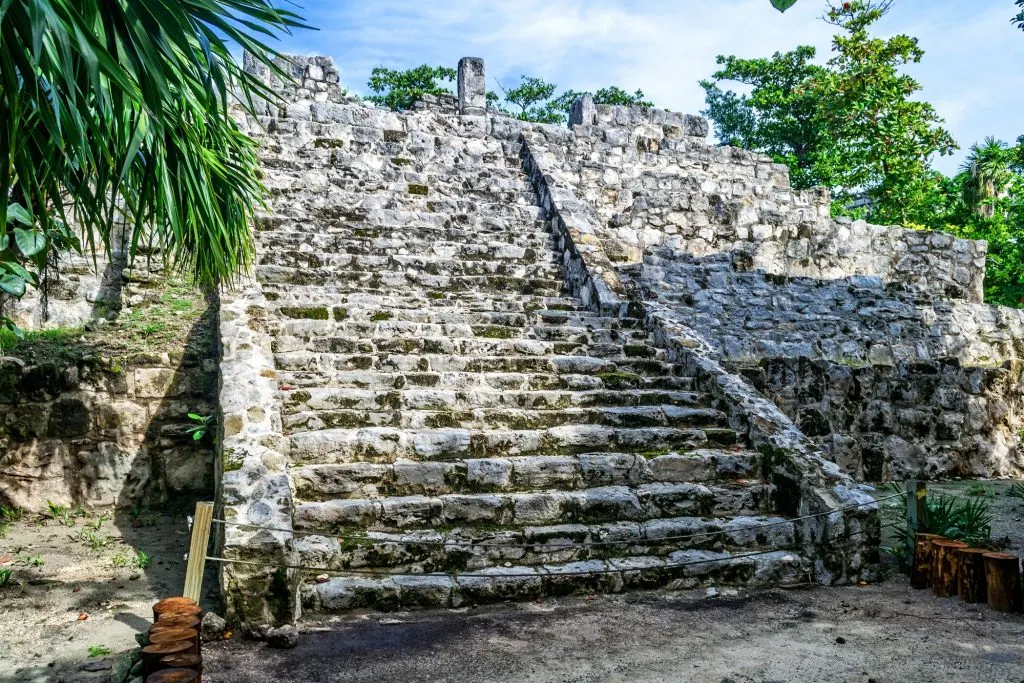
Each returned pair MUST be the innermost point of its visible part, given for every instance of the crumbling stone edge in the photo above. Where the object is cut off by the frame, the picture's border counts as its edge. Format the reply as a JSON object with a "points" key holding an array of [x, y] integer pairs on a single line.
{"points": [[843, 545], [250, 470]]}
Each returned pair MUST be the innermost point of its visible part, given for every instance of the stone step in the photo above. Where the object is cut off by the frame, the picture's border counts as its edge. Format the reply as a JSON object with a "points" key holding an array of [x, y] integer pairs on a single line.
{"points": [[533, 267], [620, 372], [387, 444], [400, 209], [332, 224], [412, 189], [679, 569], [435, 399], [503, 418], [463, 381], [553, 310], [324, 321], [386, 165], [543, 282], [605, 504], [466, 347], [538, 249], [471, 549], [520, 473]]}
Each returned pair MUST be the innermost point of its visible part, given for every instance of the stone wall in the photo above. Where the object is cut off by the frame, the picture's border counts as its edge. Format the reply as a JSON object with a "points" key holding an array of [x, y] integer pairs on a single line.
{"points": [[889, 383], [656, 182], [100, 432]]}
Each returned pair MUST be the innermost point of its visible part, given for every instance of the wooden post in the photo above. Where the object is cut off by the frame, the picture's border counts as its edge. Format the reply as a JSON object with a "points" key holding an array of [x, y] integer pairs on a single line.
{"points": [[173, 676], [1002, 571], [921, 572], [189, 635], [970, 570], [168, 622], [193, 662], [944, 578], [197, 550], [917, 500]]}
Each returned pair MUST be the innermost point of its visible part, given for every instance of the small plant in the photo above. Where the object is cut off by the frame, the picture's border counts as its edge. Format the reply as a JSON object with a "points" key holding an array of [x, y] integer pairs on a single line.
{"points": [[33, 561], [979, 490], [1017, 490], [96, 651], [98, 522], [141, 560], [201, 424], [11, 514], [92, 539], [6, 577]]}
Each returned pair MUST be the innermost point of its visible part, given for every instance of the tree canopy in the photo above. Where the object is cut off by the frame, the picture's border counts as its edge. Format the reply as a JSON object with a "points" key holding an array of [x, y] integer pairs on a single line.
{"points": [[852, 124], [116, 112], [399, 90]]}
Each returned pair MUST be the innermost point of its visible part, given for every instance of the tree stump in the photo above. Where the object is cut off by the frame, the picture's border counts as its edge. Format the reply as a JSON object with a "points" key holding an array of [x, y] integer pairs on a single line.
{"points": [[970, 571], [175, 606], [175, 621], [1002, 571], [154, 652], [192, 662], [944, 579], [188, 635], [921, 571], [173, 676]]}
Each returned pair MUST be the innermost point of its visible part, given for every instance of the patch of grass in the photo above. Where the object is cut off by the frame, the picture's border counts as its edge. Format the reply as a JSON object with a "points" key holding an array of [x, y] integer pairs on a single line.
{"points": [[981, 490], [140, 560], [97, 651], [11, 514], [33, 561], [91, 538], [6, 577], [380, 316], [1017, 490]]}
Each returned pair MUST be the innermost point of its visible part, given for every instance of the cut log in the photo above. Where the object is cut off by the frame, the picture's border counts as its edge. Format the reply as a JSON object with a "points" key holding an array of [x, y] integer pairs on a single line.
{"points": [[189, 635], [1002, 572], [970, 571], [154, 652], [175, 606], [175, 621], [944, 579], [173, 676], [921, 571], [192, 662]]}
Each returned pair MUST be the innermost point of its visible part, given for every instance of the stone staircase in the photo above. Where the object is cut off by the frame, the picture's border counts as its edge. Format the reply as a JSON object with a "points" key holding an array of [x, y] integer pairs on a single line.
{"points": [[452, 410]]}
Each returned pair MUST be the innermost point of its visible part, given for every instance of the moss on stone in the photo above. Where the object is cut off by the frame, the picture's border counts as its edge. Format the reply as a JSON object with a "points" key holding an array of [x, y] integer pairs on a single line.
{"points": [[638, 351], [381, 316], [306, 312], [494, 332], [418, 189], [340, 313], [619, 380]]}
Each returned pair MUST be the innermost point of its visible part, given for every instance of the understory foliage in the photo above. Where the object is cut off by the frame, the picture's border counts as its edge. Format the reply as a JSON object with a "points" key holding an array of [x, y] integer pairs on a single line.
{"points": [[856, 125], [533, 99], [114, 119]]}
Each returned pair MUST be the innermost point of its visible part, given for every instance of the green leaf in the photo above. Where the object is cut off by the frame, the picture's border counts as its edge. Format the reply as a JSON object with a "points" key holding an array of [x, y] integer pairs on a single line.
{"points": [[783, 5], [13, 285], [30, 242], [198, 435], [197, 418], [17, 212]]}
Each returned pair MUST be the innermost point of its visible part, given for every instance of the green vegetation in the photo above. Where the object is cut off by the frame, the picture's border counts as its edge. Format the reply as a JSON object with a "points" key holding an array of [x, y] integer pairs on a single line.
{"points": [[97, 651], [1017, 491], [137, 560], [6, 577], [116, 114], [201, 424], [399, 90], [857, 125]]}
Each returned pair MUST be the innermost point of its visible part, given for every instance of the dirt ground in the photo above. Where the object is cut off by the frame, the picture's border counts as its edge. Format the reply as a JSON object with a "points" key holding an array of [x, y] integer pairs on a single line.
{"points": [[51, 614], [885, 632]]}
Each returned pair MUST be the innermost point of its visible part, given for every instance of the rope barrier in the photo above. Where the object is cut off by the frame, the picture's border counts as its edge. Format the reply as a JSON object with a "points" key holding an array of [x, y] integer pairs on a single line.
{"points": [[457, 544], [497, 575]]}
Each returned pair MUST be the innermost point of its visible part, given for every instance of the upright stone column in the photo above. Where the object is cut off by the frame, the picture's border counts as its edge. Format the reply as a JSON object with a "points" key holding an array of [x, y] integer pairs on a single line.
{"points": [[583, 112], [472, 86]]}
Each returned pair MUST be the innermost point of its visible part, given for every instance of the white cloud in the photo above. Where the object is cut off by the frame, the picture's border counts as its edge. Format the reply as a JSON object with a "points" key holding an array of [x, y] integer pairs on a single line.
{"points": [[971, 71]]}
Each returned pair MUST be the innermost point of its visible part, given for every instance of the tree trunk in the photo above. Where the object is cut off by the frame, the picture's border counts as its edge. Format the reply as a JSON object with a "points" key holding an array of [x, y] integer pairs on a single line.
{"points": [[188, 635], [970, 570], [153, 653], [944, 579], [921, 571], [173, 676], [1003, 581]]}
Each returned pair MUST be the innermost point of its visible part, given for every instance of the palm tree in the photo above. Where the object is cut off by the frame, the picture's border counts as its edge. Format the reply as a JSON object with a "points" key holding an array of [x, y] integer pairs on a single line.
{"points": [[986, 175], [116, 112]]}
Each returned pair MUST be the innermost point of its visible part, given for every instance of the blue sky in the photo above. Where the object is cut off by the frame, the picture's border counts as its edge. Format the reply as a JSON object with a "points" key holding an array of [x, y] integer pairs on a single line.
{"points": [[973, 70]]}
